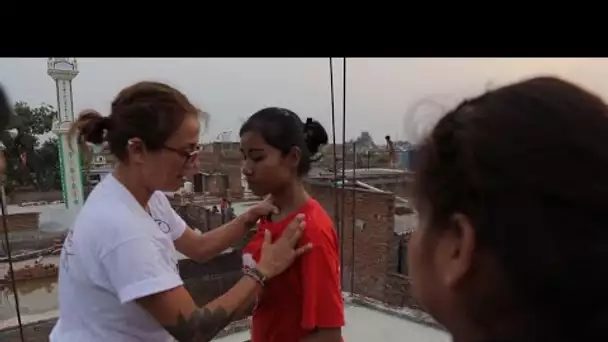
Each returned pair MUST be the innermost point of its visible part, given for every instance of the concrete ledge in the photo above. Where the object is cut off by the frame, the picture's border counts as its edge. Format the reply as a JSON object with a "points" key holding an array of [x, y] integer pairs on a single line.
{"points": [[40, 330], [37, 331], [413, 315]]}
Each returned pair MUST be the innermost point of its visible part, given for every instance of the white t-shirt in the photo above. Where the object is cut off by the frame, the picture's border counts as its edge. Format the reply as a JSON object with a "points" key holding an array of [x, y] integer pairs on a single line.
{"points": [[115, 253]]}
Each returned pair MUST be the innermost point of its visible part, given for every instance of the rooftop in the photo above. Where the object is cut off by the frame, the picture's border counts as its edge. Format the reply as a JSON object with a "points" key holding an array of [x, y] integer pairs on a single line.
{"points": [[406, 223], [364, 324], [360, 173], [239, 208], [54, 217]]}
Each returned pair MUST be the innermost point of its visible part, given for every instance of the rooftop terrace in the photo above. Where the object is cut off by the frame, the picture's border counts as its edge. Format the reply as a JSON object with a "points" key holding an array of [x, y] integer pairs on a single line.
{"points": [[366, 323]]}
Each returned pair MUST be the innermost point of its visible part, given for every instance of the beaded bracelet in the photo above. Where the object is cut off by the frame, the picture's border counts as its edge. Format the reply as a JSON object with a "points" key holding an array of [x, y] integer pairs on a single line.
{"points": [[255, 274]]}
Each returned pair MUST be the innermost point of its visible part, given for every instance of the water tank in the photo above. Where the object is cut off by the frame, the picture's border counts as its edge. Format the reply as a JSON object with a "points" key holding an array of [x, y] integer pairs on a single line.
{"points": [[403, 160], [188, 187]]}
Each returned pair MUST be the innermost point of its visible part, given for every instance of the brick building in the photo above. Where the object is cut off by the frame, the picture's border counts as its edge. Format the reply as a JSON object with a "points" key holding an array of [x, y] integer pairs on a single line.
{"points": [[221, 170], [374, 240], [199, 217], [367, 158]]}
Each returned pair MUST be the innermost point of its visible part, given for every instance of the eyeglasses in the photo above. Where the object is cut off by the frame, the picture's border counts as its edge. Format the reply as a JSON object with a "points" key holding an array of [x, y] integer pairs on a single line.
{"points": [[189, 157]]}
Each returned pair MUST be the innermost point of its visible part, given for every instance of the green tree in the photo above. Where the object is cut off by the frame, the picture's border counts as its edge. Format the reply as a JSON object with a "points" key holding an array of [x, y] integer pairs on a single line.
{"points": [[48, 173], [41, 168]]}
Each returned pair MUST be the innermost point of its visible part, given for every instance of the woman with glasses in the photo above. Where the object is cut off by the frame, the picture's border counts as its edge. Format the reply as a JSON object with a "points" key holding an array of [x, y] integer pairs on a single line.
{"points": [[118, 278], [305, 302]]}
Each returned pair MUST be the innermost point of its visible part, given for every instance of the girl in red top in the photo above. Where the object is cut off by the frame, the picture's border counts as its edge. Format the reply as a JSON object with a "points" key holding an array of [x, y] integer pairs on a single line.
{"points": [[305, 302]]}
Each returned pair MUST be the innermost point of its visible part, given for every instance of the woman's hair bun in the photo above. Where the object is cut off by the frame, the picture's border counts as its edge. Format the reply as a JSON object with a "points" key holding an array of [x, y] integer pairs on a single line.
{"points": [[92, 127], [315, 135]]}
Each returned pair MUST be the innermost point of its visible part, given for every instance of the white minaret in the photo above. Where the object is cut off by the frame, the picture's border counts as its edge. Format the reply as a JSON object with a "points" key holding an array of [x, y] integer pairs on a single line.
{"points": [[63, 71]]}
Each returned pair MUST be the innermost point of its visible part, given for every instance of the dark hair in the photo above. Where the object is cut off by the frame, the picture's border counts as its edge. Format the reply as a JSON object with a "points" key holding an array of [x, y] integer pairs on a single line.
{"points": [[6, 110], [388, 137], [283, 130], [528, 164], [151, 111]]}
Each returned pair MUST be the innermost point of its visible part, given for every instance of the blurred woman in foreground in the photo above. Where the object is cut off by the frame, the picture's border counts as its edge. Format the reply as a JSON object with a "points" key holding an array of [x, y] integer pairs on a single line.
{"points": [[512, 193]]}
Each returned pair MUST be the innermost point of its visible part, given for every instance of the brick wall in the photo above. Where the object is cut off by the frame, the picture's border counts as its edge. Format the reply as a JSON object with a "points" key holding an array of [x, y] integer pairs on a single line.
{"points": [[373, 220], [397, 287], [376, 253], [235, 188], [397, 291], [198, 217], [23, 221], [225, 161]]}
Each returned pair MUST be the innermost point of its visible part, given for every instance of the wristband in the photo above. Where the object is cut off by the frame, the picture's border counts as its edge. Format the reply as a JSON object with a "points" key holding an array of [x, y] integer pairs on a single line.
{"points": [[255, 274]]}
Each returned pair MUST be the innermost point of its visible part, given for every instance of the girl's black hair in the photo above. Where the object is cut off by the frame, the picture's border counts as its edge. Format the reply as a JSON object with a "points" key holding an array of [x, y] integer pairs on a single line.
{"points": [[283, 130], [528, 164]]}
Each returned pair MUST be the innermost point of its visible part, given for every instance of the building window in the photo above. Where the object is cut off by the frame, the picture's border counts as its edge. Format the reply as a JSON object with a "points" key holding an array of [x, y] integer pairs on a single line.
{"points": [[402, 259]]}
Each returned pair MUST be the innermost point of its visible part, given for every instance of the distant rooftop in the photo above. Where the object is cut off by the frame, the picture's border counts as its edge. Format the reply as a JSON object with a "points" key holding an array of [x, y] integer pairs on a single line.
{"points": [[53, 217], [365, 324], [362, 172], [239, 208]]}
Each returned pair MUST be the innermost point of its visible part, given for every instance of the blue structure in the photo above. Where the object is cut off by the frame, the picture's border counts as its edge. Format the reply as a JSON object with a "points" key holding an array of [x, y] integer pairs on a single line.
{"points": [[406, 158]]}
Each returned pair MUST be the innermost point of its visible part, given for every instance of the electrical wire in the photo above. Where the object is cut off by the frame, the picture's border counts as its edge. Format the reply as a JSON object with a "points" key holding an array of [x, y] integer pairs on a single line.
{"points": [[352, 247], [343, 162], [10, 265], [6, 113], [335, 156]]}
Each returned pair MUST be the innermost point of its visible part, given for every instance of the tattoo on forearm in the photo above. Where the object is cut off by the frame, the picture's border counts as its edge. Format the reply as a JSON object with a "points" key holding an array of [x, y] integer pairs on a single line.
{"points": [[202, 326]]}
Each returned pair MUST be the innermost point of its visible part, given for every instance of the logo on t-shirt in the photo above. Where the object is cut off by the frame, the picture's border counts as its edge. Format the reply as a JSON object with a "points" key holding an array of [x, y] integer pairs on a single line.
{"points": [[162, 225]]}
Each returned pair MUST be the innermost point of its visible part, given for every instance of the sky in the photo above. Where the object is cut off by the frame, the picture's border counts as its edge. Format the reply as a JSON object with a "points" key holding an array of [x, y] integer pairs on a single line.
{"points": [[399, 97]]}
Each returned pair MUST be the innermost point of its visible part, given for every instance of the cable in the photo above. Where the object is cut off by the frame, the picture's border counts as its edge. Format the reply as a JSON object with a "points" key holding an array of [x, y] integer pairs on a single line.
{"points": [[10, 265], [6, 112], [352, 260], [343, 162], [333, 133]]}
